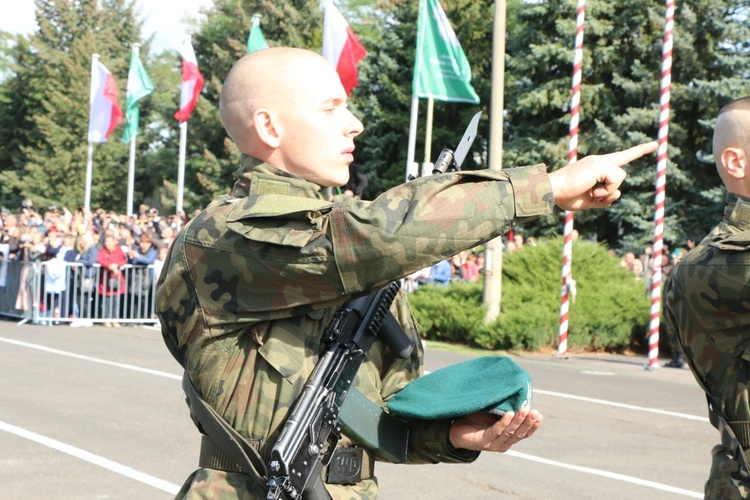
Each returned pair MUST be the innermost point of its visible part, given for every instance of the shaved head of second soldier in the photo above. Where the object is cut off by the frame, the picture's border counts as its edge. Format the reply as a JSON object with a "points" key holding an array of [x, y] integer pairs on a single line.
{"points": [[731, 146]]}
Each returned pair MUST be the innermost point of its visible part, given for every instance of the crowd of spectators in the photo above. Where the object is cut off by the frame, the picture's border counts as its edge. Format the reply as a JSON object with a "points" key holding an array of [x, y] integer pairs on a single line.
{"points": [[59, 237], [642, 266], [464, 266], [114, 240]]}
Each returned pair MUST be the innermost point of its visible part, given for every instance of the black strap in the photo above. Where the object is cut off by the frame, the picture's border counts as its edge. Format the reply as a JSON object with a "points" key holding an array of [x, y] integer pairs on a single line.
{"points": [[729, 439], [224, 436], [213, 457], [741, 429], [348, 464]]}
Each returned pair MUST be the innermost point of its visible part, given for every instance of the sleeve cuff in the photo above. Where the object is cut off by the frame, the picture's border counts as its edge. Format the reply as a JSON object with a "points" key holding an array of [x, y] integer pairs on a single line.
{"points": [[462, 454], [532, 190], [440, 447]]}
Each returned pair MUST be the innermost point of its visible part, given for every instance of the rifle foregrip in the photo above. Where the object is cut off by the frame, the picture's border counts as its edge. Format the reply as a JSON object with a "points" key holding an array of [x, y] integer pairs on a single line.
{"points": [[401, 344]]}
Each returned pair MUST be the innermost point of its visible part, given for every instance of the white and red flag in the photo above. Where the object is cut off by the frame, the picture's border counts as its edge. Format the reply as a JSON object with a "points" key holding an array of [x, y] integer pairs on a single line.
{"points": [[105, 112], [341, 47], [192, 82]]}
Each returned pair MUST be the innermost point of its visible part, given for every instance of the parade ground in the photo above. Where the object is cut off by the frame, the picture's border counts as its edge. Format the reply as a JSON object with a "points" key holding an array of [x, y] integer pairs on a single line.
{"points": [[98, 413]]}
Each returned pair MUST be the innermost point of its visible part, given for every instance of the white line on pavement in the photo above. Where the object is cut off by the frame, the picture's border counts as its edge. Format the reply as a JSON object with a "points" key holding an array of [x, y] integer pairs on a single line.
{"points": [[94, 360], [589, 470], [605, 402], [179, 377], [604, 473], [686, 416], [90, 457]]}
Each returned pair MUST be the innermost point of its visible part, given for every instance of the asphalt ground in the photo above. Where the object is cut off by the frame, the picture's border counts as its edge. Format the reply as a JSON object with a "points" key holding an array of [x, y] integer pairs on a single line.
{"points": [[98, 413]]}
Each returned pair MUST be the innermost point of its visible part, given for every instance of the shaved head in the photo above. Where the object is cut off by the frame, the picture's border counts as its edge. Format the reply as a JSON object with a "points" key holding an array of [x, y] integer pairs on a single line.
{"points": [[287, 107], [733, 126], [270, 78], [732, 142]]}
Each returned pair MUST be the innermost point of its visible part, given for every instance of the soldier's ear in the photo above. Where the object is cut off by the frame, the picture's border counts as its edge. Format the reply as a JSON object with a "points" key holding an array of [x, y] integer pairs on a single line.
{"points": [[735, 162], [267, 127]]}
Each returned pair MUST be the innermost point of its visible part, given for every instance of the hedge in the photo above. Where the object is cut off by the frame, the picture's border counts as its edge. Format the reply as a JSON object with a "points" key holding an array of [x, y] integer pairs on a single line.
{"points": [[610, 311]]}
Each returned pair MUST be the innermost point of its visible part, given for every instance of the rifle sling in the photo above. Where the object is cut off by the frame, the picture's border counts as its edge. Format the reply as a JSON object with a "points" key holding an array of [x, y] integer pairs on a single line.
{"points": [[233, 446], [735, 436], [361, 419], [213, 457]]}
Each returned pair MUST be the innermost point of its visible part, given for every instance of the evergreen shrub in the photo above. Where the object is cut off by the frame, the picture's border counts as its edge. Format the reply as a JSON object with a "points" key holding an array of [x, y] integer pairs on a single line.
{"points": [[610, 311]]}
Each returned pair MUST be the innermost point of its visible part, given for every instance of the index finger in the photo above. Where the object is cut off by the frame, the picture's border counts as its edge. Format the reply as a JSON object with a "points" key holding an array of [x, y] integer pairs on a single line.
{"points": [[622, 158]]}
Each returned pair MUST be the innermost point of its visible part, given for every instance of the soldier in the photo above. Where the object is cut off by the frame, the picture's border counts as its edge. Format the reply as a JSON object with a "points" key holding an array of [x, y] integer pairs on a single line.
{"points": [[708, 308], [251, 282]]}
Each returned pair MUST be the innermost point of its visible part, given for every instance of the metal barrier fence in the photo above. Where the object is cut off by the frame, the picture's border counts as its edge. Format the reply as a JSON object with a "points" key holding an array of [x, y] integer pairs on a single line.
{"points": [[55, 292]]}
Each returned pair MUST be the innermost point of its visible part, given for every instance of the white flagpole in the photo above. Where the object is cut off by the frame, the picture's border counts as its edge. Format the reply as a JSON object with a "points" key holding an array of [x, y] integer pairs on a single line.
{"points": [[411, 167], [90, 157], [131, 177], [427, 165], [181, 166], [89, 171], [131, 163]]}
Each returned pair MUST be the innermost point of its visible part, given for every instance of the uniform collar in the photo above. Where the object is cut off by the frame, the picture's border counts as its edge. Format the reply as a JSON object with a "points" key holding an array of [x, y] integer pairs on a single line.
{"points": [[257, 177], [738, 210]]}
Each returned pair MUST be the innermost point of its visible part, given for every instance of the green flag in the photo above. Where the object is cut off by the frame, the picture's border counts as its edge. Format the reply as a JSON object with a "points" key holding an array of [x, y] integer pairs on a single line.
{"points": [[139, 85], [441, 70], [256, 40]]}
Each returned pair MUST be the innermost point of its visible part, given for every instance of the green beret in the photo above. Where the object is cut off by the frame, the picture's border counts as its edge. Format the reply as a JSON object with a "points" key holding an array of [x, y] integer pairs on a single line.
{"points": [[494, 384]]}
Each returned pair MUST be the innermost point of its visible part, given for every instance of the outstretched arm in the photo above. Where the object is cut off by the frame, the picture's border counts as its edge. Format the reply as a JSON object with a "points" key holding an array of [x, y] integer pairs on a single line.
{"points": [[594, 181]]}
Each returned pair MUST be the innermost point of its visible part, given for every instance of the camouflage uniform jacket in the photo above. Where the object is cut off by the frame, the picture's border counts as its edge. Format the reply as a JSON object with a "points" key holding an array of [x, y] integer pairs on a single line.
{"points": [[708, 308], [250, 284]]}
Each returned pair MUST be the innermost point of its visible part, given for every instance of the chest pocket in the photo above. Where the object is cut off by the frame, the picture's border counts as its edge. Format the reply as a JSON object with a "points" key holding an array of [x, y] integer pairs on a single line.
{"points": [[279, 219], [291, 345], [738, 242]]}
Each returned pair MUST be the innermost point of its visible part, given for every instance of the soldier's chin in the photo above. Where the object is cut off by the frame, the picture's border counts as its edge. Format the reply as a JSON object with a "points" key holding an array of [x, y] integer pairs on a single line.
{"points": [[341, 182]]}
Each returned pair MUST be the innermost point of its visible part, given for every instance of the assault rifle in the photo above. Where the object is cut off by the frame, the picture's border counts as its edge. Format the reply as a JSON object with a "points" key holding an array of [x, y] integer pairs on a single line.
{"points": [[310, 434], [308, 440]]}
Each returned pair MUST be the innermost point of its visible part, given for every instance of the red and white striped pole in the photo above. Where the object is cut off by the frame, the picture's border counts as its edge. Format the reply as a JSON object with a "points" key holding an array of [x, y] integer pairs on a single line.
{"points": [[575, 107], [661, 184]]}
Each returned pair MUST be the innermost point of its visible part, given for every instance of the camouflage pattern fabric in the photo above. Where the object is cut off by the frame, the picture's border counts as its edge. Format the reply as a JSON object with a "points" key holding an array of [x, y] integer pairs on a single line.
{"points": [[708, 307], [250, 284]]}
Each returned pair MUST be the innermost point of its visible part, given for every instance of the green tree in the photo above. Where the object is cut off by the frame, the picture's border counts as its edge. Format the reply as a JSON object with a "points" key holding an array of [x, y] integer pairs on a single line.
{"points": [[46, 158], [19, 94], [6, 46], [383, 98], [620, 103], [387, 29], [159, 135]]}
